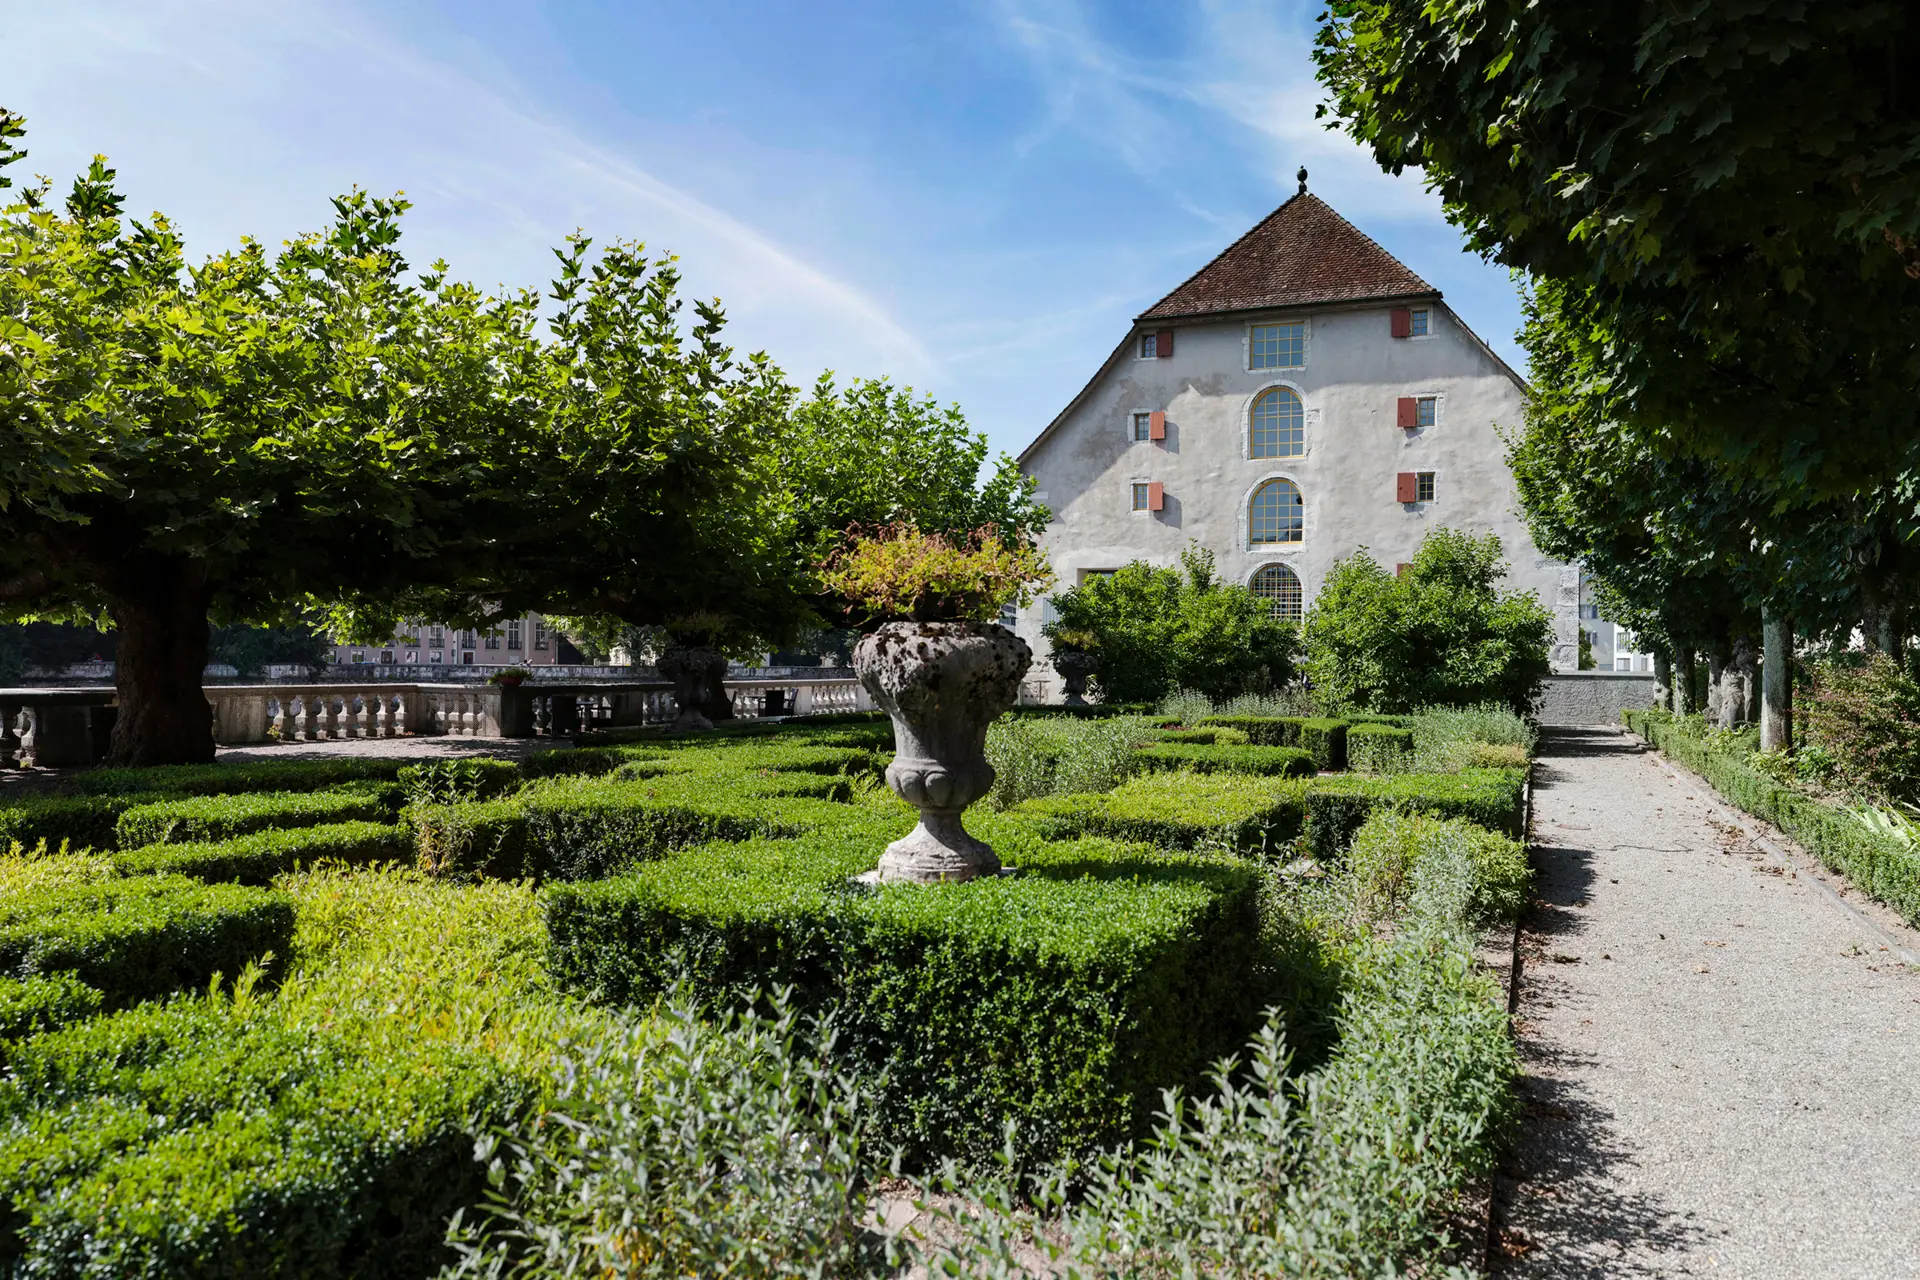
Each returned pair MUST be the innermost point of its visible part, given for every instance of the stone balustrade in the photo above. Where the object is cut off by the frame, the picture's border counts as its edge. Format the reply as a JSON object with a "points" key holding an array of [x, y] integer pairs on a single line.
{"points": [[66, 727]]}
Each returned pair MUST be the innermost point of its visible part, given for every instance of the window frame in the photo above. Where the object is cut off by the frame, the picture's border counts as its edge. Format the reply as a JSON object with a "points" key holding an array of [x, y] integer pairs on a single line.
{"points": [[1247, 341], [1299, 583], [1246, 514], [1141, 496], [1253, 401], [1426, 486], [1149, 346], [1140, 427], [1419, 323]]}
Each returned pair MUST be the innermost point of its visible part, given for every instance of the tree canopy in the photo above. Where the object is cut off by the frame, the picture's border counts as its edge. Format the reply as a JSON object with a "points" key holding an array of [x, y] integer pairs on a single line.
{"points": [[1737, 185]]}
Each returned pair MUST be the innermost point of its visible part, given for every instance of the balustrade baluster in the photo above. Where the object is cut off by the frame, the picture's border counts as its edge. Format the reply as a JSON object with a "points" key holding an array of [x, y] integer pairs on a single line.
{"points": [[330, 727], [382, 725], [542, 716], [9, 740], [29, 736]]}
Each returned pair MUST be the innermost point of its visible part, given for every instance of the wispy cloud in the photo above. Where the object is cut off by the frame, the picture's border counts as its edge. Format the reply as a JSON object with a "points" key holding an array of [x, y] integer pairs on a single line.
{"points": [[241, 118]]}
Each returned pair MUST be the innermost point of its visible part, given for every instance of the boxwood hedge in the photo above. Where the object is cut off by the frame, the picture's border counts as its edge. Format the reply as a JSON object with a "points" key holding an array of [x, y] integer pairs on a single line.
{"points": [[1278, 762], [225, 779], [1179, 811], [1336, 807], [81, 822], [259, 857], [204, 818], [1061, 1000], [1322, 737], [142, 937], [208, 1138], [29, 1006]]}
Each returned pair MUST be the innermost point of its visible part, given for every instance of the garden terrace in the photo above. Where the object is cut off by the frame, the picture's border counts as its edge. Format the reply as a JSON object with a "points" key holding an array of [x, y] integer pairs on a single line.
{"points": [[432, 944]]}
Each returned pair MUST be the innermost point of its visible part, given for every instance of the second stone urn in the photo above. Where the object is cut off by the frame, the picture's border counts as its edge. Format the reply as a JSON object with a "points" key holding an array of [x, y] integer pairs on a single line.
{"points": [[943, 683], [693, 671], [1074, 667]]}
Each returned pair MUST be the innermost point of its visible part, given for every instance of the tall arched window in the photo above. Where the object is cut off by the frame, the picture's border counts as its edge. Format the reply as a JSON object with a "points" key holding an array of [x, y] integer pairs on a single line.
{"points": [[1279, 586], [1277, 426], [1276, 514]]}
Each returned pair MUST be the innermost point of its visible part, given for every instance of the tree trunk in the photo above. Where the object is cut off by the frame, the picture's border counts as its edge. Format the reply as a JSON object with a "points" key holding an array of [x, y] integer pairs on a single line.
{"points": [[1662, 679], [1776, 676], [160, 659], [1686, 699], [718, 706], [1736, 704], [1716, 689]]}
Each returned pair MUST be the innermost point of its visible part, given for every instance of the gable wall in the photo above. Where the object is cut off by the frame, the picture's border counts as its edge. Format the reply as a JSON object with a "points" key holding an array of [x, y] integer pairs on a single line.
{"points": [[1355, 372]]}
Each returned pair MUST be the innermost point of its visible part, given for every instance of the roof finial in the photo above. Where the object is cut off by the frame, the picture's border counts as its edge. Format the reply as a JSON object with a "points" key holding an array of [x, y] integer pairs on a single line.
{"points": [[1302, 175]]}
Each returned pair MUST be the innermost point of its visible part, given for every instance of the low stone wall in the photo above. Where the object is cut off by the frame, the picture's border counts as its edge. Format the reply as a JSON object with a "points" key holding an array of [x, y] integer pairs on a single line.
{"points": [[1593, 697]]}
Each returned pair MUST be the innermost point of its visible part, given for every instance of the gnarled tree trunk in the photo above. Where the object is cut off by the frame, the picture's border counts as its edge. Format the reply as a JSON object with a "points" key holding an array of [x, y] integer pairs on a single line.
{"points": [[160, 659]]}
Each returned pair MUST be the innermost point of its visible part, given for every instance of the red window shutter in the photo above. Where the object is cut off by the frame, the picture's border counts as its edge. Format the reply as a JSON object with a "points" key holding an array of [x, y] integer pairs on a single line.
{"points": [[1402, 322], [1156, 496], [1157, 425], [1400, 569], [1409, 412], [1407, 487], [1163, 345]]}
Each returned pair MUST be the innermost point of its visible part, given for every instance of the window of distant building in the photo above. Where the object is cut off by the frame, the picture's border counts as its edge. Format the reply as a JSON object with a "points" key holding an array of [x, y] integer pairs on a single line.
{"points": [[1140, 498], [1276, 514], [493, 639], [1426, 410], [1277, 346], [1149, 346], [1419, 323], [359, 657], [1279, 586], [433, 657], [1423, 486], [436, 639], [467, 639], [386, 657], [513, 635], [1278, 426], [540, 635], [413, 655], [1143, 426]]}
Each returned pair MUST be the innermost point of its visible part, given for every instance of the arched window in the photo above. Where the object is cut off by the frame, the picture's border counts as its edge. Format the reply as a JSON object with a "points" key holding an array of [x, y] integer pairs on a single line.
{"points": [[1277, 427], [1276, 514], [1279, 586]]}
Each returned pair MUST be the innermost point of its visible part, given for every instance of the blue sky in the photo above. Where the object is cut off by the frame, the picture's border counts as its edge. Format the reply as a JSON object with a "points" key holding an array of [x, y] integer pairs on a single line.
{"points": [[973, 199]]}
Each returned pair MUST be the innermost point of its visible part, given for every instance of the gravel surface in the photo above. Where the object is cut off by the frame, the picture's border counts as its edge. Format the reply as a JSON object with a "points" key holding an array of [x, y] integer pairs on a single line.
{"points": [[1723, 1078]]}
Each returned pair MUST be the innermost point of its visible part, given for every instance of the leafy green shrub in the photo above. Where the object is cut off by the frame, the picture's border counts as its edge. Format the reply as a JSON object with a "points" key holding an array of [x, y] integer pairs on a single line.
{"points": [[206, 818], [1152, 630], [451, 781], [226, 779], [901, 571], [1276, 762], [80, 822], [1221, 736], [1185, 706], [1073, 992], [1445, 869], [1440, 633], [1292, 701], [1336, 807], [1052, 755], [564, 762], [717, 1146], [1878, 867], [143, 937], [31, 1005], [1868, 717], [1448, 738], [1357, 1169], [1179, 811], [1379, 748], [213, 1138], [258, 858]]}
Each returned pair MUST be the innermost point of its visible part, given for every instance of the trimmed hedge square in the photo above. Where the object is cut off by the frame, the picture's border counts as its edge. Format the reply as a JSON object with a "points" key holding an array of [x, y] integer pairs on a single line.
{"points": [[1179, 811], [209, 1139], [1273, 762], [1378, 748], [230, 779], [205, 818], [1322, 737], [132, 939], [1063, 999], [29, 1006], [1336, 807], [258, 858], [83, 822]]}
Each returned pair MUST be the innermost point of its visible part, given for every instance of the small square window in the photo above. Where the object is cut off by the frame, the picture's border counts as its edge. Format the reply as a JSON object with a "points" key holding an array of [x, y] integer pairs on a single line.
{"points": [[1143, 426], [1139, 497], [413, 655], [1423, 486], [433, 657], [1088, 575], [1277, 346], [1426, 411], [359, 657], [1418, 323], [386, 657], [1149, 346]]}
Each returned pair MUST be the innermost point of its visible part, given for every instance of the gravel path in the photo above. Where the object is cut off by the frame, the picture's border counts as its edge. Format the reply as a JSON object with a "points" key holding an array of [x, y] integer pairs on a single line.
{"points": [[1723, 1069]]}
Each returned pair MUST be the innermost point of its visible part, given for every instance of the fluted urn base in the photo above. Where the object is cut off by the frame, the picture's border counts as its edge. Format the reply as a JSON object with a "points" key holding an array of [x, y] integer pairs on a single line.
{"points": [[942, 683]]}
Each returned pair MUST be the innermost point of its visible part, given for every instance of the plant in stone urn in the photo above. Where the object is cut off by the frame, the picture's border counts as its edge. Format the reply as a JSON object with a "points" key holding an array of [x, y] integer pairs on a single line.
{"points": [[696, 665], [942, 671], [1075, 658]]}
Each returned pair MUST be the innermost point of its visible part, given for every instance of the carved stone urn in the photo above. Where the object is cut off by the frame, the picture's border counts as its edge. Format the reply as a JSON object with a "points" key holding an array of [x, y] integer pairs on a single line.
{"points": [[693, 671], [943, 683], [1074, 666]]}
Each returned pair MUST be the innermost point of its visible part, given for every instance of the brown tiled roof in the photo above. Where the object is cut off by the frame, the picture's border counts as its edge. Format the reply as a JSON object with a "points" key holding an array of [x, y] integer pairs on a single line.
{"points": [[1301, 253]]}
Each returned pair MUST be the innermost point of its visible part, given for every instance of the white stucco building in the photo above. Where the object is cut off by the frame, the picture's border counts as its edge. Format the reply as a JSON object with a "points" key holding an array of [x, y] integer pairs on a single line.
{"points": [[1302, 395]]}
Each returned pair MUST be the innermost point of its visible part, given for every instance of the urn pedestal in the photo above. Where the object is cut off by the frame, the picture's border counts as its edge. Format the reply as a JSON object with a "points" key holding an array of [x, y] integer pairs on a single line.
{"points": [[1074, 668], [693, 672], [942, 683]]}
